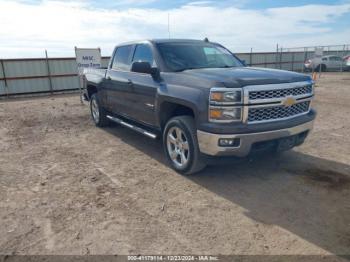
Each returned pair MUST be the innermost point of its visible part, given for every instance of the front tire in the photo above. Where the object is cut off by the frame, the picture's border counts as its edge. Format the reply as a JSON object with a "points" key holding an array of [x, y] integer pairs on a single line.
{"points": [[181, 145], [98, 113]]}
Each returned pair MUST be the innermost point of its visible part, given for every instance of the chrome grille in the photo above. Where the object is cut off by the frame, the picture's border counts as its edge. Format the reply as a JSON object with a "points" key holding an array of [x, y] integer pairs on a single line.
{"points": [[269, 113], [277, 93]]}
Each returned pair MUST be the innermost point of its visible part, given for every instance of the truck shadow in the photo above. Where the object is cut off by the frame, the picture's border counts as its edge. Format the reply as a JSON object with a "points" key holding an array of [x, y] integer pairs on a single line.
{"points": [[305, 195]]}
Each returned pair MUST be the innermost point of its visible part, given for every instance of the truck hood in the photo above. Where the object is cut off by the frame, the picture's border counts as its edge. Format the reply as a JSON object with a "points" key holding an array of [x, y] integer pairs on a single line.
{"points": [[243, 76]]}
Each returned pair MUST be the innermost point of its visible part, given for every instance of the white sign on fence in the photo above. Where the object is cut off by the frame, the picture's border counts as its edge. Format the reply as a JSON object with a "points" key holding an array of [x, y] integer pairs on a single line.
{"points": [[87, 58]]}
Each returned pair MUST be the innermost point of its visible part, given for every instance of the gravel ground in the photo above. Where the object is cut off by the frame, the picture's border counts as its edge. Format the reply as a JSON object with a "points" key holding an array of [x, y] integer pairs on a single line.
{"points": [[67, 187]]}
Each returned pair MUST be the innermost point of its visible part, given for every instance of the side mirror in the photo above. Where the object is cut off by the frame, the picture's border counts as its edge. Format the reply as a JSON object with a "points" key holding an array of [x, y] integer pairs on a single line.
{"points": [[145, 68], [244, 63], [141, 67]]}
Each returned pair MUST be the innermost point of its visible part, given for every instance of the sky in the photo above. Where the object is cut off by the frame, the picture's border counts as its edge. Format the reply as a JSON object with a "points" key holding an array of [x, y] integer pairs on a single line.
{"points": [[28, 27]]}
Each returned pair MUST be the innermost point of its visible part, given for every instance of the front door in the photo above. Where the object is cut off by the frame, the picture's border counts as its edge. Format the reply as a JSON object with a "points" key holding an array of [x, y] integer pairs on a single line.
{"points": [[144, 86]]}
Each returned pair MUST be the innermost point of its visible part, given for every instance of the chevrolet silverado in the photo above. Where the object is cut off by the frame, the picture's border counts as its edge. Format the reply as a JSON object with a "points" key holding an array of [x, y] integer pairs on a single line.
{"points": [[201, 100]]}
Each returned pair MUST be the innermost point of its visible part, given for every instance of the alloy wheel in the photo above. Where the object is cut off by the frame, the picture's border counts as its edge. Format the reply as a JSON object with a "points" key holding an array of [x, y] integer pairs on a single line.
{"points": [[178, 147], [95, 111]]}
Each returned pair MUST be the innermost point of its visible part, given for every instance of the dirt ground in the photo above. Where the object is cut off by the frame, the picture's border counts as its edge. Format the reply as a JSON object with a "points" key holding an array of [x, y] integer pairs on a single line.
{"points": [[68, 187]]}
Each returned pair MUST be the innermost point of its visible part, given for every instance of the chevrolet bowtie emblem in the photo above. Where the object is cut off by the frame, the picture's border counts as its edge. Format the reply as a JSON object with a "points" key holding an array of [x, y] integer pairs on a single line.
{"points": [[289, 101]]}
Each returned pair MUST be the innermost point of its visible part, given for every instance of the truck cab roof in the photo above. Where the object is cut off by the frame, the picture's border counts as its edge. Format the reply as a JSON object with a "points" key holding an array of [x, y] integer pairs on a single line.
{"points": [[162, 40]]}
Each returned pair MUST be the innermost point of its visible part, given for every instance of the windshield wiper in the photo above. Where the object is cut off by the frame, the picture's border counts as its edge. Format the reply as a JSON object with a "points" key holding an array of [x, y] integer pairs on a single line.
{"points": [[184, 69], [226, 66], [201, 67], [190, 68]]}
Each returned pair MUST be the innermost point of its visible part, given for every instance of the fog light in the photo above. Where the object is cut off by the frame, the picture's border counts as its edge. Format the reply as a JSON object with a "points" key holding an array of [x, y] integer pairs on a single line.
{"points": [[229, 142]]}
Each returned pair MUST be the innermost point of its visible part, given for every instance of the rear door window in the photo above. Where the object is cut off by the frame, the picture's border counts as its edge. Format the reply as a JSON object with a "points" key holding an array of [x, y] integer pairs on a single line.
{"points": [[121, 59]]}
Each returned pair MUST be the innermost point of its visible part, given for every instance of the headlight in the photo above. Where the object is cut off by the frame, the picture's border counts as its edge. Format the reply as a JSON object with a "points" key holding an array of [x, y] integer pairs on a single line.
{"points": [[225, 114], [223, 104], [225, 96]]}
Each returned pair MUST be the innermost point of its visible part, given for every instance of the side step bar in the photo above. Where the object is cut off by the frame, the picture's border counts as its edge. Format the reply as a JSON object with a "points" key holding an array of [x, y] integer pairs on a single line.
{"points": [[133, 127]]}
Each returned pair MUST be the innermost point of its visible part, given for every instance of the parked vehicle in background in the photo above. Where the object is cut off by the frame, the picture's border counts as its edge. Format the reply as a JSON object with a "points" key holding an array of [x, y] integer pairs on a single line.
{"points": [[325, 63], [347, 62], [200, 100]]}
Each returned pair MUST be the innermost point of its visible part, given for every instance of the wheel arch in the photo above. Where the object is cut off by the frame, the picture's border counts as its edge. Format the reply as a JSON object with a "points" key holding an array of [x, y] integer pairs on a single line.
{"points": [[321, 66], [90, 90], [169, 109]]}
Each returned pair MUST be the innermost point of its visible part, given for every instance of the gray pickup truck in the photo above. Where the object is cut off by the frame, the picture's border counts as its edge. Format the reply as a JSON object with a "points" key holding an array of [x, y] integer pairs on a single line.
{"points": [[201, 100]]}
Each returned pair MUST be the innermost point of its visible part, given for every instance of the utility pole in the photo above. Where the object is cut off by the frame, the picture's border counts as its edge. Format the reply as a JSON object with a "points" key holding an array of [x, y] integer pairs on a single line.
{"points": [[48, 72], [251, 56], [276, 58]]}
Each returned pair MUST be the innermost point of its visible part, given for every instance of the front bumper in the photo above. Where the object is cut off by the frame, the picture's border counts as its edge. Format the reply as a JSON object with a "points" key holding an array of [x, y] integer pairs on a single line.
{"points": [[208, 142]]}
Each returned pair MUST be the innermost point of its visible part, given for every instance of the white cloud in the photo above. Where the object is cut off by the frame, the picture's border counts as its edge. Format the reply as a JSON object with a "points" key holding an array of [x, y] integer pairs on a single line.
{"points": [[199, 3], [131, 2], [58, 26]]}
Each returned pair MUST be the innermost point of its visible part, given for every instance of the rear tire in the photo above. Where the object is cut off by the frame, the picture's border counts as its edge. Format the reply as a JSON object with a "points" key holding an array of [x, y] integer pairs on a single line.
{"points": [[98, 113], [181, 145], [322, 67]]}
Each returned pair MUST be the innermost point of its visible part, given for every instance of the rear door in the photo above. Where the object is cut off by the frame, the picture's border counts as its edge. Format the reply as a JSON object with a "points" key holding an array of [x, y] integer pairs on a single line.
{"points": [[142, 100], [118, 85]]}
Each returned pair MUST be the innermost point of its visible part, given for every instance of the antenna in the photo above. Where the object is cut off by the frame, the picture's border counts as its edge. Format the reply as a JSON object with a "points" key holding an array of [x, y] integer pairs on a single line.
{"points": [[169, 25]]}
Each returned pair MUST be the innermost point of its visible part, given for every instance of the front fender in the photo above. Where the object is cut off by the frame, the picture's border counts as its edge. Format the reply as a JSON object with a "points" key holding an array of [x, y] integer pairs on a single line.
{"points": [[194, 98]]}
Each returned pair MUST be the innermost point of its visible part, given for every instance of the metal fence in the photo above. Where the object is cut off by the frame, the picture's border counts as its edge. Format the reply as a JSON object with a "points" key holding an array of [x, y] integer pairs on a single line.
{"points": [[39, 75], [49, 75], [292, 59]]}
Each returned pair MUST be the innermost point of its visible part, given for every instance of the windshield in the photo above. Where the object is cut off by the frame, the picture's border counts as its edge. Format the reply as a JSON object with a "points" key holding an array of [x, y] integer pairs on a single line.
{"points": [[183, 56]]}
